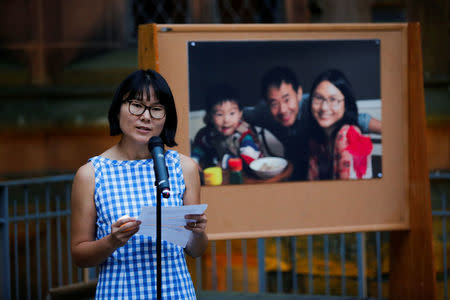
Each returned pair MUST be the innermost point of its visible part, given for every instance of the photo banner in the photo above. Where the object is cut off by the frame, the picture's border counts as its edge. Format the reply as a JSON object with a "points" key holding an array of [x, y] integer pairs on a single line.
{"points": [[373, 58]]}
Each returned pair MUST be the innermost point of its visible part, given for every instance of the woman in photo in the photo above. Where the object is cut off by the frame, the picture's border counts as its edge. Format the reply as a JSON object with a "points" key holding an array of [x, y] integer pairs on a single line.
{"points": [[336, 147]]}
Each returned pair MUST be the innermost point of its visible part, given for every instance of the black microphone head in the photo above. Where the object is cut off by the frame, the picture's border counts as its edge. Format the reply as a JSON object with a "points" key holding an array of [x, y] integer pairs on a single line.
{"points": [[155, 141], [166, 193]]}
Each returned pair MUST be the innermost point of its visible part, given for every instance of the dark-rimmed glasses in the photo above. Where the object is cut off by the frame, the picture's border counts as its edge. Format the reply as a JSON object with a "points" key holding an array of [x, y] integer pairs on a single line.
{"points": [[318, 100], [137, 108]]}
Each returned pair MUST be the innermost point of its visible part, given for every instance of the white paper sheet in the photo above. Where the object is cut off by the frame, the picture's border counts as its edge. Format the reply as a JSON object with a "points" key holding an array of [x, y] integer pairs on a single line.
{"points": [[172, 222]]}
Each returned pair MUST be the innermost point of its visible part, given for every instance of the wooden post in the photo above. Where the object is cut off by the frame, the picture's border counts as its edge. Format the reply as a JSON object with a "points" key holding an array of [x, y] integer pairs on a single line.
{"points": [[148, 57], [412, 272]]}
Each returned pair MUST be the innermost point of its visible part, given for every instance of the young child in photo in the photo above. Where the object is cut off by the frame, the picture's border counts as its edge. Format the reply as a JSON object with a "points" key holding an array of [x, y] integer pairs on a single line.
{"points": [[226, 135]]}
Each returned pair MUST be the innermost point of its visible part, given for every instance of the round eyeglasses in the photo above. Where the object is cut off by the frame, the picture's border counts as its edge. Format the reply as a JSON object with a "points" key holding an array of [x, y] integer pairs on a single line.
{"points": [[318, 100], [138, 108]]}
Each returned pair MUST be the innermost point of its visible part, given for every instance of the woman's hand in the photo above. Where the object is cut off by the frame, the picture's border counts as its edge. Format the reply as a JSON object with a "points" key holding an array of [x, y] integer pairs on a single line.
{"points": [[122, 230], [198, 241], [199, 224]]}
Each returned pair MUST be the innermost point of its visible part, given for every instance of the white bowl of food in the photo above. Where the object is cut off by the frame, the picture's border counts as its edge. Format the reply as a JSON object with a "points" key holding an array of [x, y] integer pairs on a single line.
{"points": [[268, 167]]}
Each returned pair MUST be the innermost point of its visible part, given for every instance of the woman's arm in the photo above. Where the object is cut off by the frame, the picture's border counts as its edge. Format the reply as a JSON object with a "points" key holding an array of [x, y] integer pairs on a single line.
{"points": [[352, 152], [368, 124], [198, 242], [86, 251]]}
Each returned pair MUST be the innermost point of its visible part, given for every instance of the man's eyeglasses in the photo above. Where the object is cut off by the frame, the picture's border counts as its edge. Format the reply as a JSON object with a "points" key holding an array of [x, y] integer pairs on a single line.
{"points": [[138, 108], [318, 100]]}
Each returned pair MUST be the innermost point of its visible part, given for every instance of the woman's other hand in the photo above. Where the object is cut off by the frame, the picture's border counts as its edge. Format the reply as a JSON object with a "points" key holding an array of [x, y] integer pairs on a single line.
{"points": [[123, 229]]}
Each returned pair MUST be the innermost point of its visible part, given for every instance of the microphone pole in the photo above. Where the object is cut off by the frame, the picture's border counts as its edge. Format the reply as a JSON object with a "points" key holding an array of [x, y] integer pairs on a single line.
{"points": [[156, 148], [158, 243]]}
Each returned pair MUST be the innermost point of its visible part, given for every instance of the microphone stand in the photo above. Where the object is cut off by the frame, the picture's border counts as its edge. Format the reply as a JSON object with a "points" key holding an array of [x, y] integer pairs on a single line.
{"points": [[156, 148], [158, 243]]}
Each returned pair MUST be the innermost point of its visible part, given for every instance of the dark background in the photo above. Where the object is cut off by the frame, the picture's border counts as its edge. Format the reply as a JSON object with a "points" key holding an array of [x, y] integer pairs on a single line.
{"points": [[243, 63]]}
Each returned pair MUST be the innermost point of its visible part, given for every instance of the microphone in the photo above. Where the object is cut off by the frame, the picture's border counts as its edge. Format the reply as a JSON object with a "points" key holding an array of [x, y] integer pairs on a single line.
{"points": [[156, 148]]}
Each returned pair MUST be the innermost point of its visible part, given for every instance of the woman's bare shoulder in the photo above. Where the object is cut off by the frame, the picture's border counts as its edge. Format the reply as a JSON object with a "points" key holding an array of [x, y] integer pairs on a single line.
{"points": [[85, 173]]}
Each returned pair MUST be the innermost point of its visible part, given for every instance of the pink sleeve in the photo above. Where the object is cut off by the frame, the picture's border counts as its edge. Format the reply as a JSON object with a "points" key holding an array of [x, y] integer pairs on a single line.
{"points": [[351, 149]]}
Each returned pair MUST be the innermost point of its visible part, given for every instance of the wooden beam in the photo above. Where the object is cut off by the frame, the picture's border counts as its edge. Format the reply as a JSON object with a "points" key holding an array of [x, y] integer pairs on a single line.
{"points": [[254, 28], [148, 57], [412, 271]]}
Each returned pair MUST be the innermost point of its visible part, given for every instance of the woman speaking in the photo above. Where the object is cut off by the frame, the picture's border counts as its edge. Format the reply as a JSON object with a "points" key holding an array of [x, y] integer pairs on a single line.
{"points": [[111, 188]]}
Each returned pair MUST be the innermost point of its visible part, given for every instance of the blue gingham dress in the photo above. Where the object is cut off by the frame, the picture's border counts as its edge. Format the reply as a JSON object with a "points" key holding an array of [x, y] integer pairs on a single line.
{"points": [[122, 188]]}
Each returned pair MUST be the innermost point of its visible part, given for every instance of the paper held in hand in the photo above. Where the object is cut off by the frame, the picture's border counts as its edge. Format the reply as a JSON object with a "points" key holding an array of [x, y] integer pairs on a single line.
{"points": [[172, 222]]}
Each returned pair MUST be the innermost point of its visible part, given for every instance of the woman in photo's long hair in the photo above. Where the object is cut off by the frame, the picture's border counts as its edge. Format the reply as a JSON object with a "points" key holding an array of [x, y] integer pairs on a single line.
{"points": [[336, 147]]}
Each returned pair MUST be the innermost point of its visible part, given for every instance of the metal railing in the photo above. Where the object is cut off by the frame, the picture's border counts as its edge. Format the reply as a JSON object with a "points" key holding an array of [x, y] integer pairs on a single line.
{"points": [[331, 265], [35, 234], [35, 251]]}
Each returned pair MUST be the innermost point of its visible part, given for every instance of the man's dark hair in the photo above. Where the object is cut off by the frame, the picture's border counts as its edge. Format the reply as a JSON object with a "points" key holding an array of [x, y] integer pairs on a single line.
{"points": [[275, 77], [136, 86]]}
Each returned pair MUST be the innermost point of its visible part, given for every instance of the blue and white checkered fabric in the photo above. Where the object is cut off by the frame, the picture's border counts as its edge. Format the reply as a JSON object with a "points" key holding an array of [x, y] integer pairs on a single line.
{"points": [[122, 188]]}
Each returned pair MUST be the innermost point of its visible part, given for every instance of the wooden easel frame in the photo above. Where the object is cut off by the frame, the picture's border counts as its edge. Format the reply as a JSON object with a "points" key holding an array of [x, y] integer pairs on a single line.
{"points": [[412, 272]]}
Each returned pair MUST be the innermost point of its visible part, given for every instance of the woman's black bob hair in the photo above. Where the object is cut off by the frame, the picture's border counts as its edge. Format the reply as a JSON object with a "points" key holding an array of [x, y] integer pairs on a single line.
{"points": [[137, 86]]}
